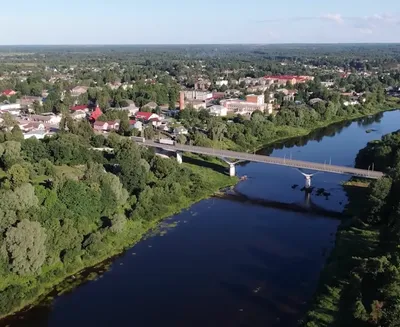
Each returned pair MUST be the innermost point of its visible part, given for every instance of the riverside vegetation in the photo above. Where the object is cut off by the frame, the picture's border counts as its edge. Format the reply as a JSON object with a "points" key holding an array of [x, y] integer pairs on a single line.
{"points": [[65, 207], [360, 286]]}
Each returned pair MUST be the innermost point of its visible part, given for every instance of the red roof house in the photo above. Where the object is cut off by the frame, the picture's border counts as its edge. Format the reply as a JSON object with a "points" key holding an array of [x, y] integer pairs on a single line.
{"points": [[83, 107], [145, 115], [96, 113], [8, 92]]}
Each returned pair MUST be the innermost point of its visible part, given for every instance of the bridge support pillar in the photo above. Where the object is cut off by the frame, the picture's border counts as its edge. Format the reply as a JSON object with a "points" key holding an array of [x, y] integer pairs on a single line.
{"points": [[179, 157], [232, 170], [308, 181]]}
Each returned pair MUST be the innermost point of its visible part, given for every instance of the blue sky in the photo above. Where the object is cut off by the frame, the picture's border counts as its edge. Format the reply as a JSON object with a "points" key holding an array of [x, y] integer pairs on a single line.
{"points": [[206, 21]]}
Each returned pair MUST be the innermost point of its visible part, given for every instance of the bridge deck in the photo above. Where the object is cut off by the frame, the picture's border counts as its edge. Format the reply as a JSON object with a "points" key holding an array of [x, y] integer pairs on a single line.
{"points": [[267, 159]]}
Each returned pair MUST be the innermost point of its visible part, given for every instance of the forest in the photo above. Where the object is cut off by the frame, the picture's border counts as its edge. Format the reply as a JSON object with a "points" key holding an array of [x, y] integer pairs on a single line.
{"points": [[66, 207], [360, 283]]}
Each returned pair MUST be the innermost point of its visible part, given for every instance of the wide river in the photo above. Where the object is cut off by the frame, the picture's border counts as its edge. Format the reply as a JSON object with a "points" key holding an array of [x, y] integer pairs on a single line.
{"points": [[226, 263]]}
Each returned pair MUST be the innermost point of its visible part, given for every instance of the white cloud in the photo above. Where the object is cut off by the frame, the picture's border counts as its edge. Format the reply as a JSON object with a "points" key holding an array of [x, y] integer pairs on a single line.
{"points": [[365, 30], [337, 18]]}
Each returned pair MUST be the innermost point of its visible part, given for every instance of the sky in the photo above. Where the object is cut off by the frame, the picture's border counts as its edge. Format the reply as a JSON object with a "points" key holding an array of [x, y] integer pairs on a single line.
{"points": [[198, 22]]}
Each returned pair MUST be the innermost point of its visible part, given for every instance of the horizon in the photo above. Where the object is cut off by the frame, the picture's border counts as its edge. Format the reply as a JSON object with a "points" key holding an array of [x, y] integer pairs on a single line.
{"points": [[195, 44], [208, 22]]}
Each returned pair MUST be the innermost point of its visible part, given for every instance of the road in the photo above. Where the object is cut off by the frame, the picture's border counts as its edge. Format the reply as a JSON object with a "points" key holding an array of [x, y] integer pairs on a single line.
{"points": [[267, 159]]}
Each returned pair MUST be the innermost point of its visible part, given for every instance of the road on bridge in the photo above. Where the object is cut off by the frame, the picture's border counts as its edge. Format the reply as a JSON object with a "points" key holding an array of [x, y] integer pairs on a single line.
{"points": [[267, 159]]}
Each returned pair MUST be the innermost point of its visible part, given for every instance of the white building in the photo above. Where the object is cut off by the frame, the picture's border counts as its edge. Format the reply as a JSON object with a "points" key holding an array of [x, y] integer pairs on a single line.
{"points": [[12, 108], [242, 107], [180, 130], [78, 115], [197, 95], [217, 110], [351, 103], [221, 83], [50, 119], [39, 134]]}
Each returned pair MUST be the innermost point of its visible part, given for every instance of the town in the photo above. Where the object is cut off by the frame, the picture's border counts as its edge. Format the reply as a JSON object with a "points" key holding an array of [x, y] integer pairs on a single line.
{"points": [[40, 100]]}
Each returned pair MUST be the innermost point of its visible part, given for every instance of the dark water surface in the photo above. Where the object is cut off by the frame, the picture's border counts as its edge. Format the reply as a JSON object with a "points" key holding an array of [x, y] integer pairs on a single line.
{"points": [[226, 263]]}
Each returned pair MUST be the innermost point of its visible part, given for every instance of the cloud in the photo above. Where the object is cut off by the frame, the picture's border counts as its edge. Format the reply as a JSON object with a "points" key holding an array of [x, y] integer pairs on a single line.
{"points": [[337, 18], [365, 30]]}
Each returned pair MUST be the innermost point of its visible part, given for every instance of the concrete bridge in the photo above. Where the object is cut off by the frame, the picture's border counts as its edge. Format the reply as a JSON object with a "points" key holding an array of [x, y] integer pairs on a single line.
{"points": [[243, 156]]}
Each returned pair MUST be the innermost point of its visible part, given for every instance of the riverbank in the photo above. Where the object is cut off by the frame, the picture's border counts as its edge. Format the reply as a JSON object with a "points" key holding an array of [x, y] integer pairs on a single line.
{"points": [[50, 281], [286, 133], [331, 306], [294, 132]]}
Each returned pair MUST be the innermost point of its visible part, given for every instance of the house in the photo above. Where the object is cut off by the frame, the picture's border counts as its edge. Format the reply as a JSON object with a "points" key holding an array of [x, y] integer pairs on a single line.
{"points": [[163, 126], [8, 93], [100, 126], [49, 119], [180, 130], [217, 110], [27, 126], [218, 95], [30, 100], [221, 83], [39, 134], [131, 109], [145, 116], [136, 124], [156, 122], [12, 108], [351, 103], [96, 113], [197, 104], [79, 90], [82, 107], [150, 105], [78, 115], [113, 125]]}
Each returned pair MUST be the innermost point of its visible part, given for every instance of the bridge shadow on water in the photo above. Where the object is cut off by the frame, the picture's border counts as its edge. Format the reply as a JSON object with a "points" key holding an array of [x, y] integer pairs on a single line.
{"points": [[307, 207]]}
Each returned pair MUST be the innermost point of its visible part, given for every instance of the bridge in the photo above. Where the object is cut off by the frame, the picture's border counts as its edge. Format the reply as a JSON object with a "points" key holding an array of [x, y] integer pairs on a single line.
{"points": [[244, 156]]}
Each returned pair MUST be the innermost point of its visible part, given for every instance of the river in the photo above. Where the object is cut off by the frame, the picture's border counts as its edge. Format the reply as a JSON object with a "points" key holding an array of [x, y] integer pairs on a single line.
{"points": [[226, 263]]}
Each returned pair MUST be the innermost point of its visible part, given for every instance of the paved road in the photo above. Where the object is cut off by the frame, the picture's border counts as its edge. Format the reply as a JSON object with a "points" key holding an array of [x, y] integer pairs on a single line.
{"points": [[266, 159]]}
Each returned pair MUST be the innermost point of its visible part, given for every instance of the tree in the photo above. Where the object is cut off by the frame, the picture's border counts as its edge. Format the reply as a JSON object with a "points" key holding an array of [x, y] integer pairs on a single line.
{"points": [[37, 107], [25, 245], [7, 121], [17, 134], [17, 175], [117, 223], [124, 126]]}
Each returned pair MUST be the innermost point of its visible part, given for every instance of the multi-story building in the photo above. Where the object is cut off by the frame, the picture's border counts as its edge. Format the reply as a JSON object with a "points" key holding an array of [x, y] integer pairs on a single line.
{"points": [[197, 95], [242, 107], [258, 99], [284, 79]]}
